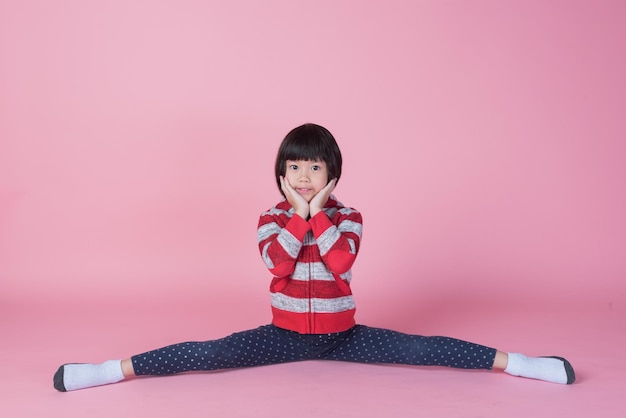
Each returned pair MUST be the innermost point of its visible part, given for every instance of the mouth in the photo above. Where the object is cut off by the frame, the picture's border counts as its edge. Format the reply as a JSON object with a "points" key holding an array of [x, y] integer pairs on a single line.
{"points": [[303, 190]]}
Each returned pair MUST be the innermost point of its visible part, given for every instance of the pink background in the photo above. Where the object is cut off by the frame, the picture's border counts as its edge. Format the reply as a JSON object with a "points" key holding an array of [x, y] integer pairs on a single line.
{"points": [[484, 143]]}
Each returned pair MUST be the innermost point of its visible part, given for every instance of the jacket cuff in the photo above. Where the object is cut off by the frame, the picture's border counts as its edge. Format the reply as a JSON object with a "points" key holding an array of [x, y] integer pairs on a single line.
{"points": [[298, 227], [320, 223]]}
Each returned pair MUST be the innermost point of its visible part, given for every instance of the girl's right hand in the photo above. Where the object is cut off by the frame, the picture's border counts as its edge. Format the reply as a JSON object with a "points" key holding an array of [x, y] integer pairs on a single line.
{"points": [[299, 203]]}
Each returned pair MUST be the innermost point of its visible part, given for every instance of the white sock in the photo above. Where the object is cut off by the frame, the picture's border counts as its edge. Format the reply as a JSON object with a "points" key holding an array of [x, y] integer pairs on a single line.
{"points": [[80, 376], [550, 369]]}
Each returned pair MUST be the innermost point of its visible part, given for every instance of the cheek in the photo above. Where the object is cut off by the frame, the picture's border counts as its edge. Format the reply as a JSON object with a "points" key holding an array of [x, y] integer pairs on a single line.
{"points": [[290, 178], [321, 181]]}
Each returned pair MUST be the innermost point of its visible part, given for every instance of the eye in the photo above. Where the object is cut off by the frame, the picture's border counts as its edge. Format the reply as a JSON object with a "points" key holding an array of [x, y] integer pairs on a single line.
{"points": [[316, 167], [293, 167]]}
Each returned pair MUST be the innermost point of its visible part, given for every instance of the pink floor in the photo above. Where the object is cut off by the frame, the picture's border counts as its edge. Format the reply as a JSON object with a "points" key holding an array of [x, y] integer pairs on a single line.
{"points": [[35, 340]]}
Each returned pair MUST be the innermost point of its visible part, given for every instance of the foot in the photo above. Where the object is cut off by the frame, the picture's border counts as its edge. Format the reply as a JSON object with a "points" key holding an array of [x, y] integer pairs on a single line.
{"points": [[551, 369], [79, 376]]}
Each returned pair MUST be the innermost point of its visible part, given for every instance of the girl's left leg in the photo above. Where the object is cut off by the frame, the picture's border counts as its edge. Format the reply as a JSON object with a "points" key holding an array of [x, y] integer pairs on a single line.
{"points": [[376, 345]]}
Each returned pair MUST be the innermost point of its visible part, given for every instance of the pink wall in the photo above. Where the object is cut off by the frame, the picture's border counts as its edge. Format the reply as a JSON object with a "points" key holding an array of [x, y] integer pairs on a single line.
{"points": [[484, 143]]}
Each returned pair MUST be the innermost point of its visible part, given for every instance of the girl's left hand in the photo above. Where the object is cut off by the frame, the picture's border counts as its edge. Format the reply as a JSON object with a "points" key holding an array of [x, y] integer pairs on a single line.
{"points": [[320, 199]]}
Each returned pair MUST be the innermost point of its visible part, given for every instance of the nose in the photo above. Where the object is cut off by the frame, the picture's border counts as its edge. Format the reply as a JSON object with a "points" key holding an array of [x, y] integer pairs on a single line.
{"points": [[304, 177]]}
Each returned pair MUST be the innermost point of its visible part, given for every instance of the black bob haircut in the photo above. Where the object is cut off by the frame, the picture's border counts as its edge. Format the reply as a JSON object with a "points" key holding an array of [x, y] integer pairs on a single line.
{"points": [[309, 142]]}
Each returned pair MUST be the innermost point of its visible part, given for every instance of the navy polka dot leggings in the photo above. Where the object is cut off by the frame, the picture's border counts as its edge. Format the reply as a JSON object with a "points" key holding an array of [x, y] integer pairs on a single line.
{"points": [[269, 344]]}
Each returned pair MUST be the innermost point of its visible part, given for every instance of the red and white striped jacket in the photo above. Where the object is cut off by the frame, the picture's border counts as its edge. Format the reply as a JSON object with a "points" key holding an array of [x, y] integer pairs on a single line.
{"points": [[311, 262]]}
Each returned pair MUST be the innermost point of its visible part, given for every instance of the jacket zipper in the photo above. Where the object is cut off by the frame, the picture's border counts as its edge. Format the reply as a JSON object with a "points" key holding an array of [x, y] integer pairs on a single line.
{"points": [[311, 322]]}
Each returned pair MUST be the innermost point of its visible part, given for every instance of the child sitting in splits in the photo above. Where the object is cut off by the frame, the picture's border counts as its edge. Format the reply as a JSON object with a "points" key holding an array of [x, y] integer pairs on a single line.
{"points": [[309, 242]]}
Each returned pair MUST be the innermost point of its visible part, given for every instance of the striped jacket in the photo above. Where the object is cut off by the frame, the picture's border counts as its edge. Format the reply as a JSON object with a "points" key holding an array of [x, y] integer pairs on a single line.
{"points": [[311, 262]]}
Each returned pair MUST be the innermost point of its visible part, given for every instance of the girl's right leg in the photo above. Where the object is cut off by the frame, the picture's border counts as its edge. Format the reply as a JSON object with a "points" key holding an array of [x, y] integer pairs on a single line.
{"points": [[261, 346]]}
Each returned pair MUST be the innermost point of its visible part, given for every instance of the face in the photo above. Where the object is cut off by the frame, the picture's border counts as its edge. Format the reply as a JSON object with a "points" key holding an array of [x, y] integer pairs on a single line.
{"points": [[307, 177]]}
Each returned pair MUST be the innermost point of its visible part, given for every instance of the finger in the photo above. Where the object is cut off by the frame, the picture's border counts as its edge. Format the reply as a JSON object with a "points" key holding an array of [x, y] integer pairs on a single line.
{"points": [[330, 186], [284, 185]]}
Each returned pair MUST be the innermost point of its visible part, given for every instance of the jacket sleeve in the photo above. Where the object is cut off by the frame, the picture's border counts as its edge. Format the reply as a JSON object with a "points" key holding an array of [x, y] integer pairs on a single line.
{"points": [[280, 240], [338, 238]]}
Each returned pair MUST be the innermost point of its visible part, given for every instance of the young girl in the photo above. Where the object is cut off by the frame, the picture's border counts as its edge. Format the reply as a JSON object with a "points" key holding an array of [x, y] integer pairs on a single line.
{"points": [[309, 242]]}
